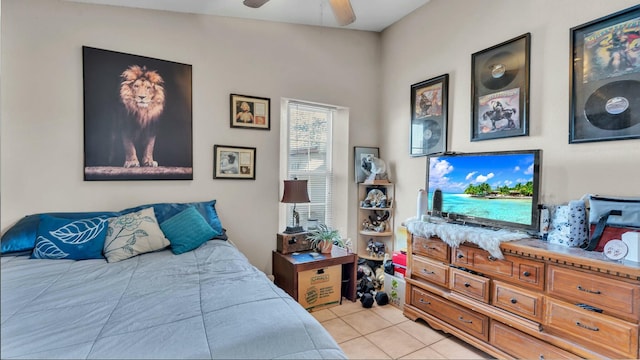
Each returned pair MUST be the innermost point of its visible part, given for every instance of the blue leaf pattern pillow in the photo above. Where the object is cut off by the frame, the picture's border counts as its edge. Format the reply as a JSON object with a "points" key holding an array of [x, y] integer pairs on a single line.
{"points": [[78, 239]]}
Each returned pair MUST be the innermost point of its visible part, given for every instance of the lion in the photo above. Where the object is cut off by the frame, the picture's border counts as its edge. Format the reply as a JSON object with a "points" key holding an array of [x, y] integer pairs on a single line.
{"points": [[142, 94]]}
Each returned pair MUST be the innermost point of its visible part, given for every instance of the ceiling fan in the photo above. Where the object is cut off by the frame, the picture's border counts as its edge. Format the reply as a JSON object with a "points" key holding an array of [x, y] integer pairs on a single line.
{"points": [[341, 9]]}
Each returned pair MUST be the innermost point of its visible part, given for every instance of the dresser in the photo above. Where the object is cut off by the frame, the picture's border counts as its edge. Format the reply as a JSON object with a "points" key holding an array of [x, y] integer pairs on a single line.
{"points": [[541, 301]]}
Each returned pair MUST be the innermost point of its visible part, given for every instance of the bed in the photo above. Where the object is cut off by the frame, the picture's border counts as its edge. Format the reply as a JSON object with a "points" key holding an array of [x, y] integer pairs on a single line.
{"points": [[206, 303]]}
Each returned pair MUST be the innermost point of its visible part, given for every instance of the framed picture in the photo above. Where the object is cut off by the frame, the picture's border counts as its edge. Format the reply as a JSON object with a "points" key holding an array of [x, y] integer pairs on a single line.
{"points": [[429, 104], [250, 112], [605, 78], [360, 154], [137, 117], [234, 162], [500, 90]]}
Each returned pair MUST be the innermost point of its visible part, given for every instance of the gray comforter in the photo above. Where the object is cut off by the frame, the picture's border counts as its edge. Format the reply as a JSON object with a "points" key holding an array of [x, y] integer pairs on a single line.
{"points": [[207, 303]]}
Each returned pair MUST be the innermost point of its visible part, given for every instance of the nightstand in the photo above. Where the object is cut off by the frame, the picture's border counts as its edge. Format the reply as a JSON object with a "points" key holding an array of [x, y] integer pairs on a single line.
{"points": [[287, 269]]}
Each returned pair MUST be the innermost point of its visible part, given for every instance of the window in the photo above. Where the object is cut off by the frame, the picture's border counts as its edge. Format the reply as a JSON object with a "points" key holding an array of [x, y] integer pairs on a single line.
{"points": [[308, 157]]}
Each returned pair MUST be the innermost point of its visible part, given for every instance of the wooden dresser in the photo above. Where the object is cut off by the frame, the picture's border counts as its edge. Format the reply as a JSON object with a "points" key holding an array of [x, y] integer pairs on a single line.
{"points": [[542, 301]]}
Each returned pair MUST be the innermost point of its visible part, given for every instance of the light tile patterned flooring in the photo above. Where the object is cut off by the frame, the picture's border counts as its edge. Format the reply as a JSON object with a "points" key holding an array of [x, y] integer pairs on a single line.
{"points": [[382, 332]]}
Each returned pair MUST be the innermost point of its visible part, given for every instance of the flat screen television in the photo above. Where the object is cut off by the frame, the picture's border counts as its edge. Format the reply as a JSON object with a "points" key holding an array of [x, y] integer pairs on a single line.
{"points": [[497, 189]]}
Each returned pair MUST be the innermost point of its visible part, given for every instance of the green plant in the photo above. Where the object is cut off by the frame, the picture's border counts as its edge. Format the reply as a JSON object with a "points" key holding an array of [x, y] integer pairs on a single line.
{"points": [[324, 234]]}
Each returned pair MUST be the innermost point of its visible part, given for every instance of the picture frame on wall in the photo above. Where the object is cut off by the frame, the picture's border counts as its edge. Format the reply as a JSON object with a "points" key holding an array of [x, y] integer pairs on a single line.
{"points": [[360, 153], [137, 117], [234, 162], [250, 112], [605, 78], [429, 105], [500, 90]]}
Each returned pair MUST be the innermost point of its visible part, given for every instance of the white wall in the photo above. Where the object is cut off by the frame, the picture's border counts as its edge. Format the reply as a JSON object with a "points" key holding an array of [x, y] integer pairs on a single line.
{"points": [[42, 108], [41, 104], [440, 37]]}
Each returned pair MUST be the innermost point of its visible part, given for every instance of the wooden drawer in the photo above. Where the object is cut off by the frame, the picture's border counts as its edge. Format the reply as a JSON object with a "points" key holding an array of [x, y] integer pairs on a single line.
{"points": [[520, 271], [433, 248], [604, 334], [467, 320], [613, 296], [468, 284], [460, 256], [523, 346], [519, 301], [429, 270]]}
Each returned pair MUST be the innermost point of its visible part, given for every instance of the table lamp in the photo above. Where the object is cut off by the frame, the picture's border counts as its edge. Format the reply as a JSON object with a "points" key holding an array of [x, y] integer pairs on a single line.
{"points": [[295, 191]]}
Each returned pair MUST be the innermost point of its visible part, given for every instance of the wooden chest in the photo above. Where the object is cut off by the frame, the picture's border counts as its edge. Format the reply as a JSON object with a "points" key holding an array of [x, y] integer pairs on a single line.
{"points": [[290, 243]]}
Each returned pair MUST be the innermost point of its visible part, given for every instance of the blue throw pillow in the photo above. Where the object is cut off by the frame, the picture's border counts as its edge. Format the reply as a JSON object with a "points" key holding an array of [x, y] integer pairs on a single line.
{"points": [[76, 239], [187, 230], [21, 237], [207, 209]]}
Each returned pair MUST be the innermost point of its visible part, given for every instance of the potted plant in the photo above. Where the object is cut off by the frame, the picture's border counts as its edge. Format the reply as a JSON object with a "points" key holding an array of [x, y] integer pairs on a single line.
{"points": [[323, 237]]}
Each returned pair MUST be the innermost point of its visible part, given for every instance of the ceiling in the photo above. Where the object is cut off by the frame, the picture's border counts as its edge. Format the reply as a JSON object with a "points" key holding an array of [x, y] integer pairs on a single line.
{"points": [[371, 15]]}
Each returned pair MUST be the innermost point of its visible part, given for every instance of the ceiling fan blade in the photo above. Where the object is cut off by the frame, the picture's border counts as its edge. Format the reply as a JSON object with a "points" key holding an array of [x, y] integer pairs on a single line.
{"points": [[254, 3], [343, 11]]}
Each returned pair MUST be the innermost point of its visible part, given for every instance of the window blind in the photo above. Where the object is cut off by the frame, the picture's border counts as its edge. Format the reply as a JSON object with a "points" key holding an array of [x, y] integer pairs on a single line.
{"points": [[309, 158]]}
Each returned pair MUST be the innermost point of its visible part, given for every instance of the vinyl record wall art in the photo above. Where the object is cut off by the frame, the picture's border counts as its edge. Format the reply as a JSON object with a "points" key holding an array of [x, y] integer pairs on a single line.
{"points": [[500, 90], [429, 102], [605, 78]]}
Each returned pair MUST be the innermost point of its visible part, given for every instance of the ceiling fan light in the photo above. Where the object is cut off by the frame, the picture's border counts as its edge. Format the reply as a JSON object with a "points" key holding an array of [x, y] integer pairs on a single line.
{"points": [[254, 3], [343, 11]]}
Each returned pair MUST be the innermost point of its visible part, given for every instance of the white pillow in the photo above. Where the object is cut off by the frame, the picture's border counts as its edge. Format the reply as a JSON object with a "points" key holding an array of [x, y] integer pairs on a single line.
{"points": [[133, 234]]}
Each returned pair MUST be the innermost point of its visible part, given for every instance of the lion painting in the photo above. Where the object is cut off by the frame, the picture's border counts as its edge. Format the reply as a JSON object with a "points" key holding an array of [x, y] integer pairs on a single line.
{"points": [[142, 94]]}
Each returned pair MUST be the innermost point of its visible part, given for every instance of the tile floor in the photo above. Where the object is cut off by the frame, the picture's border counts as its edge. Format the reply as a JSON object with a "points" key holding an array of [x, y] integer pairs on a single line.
{"points": [[382, 332]]}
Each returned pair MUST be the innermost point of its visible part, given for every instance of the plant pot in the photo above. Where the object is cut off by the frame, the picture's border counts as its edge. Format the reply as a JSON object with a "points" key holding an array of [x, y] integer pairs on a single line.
{"points": [[325, 247]]}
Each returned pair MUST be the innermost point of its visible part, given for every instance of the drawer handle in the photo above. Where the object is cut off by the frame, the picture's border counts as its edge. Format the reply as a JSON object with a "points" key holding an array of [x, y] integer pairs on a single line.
{"points": [[597, 292], [465, 321], [424, 302], [460, 256], [526, 274], [514, 300], [467, 284], [425, 271], [578, 323], [429, 247], [491, 258]]}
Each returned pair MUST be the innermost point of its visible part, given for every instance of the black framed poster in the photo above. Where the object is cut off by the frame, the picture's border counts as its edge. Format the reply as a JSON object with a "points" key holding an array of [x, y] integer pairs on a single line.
{"points": [[605, 78], [500, 90], [429, 104]]}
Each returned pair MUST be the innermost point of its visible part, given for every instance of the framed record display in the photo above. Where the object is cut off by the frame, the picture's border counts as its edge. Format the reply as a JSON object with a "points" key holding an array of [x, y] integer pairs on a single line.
{"points": [[500, 90], [429, 104], [605, 78]]}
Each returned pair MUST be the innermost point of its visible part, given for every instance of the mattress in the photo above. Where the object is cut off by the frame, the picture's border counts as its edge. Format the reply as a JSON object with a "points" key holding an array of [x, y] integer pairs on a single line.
{"points": [[204, 304]]}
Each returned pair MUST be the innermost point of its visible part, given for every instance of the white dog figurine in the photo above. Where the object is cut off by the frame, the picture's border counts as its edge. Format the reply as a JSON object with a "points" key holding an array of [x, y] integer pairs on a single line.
{"points": [[375, 168]]}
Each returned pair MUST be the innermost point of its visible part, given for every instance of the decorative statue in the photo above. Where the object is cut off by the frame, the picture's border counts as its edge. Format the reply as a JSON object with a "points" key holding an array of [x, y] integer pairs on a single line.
{"points": [[375, 199], [375, 168]]}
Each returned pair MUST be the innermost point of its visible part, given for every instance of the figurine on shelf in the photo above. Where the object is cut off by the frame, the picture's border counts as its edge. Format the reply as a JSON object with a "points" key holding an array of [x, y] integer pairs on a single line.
{"points": [[375, 199], [374, 168], [375, 248]]}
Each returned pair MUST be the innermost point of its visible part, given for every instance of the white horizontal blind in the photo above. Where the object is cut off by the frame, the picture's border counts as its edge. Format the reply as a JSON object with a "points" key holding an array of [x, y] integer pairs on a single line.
{"points": [[309, 158]]}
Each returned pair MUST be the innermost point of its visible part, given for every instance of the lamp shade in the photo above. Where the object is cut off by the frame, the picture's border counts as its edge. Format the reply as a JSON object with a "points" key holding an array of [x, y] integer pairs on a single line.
{"points": [[295, 191]]}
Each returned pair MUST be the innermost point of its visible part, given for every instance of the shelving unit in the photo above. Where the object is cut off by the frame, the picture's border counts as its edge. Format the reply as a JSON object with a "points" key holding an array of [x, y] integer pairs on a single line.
{"points": [[368, 226]]}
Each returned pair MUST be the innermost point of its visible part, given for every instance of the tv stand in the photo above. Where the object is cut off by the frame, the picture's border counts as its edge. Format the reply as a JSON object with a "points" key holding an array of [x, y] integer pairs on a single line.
{"points": [[541, 301]]}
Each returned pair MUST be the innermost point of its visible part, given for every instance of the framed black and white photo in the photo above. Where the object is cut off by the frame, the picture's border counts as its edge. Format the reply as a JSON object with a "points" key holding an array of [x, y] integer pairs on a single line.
{"points": [[250, 112], [429, 104], [234, 162], [500, 90], [137, 117], [605, 78], [360, 154]]}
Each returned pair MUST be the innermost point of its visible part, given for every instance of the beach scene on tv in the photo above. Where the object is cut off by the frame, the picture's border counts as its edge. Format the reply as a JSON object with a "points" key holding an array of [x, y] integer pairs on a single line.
{"points": [[497, 187]]}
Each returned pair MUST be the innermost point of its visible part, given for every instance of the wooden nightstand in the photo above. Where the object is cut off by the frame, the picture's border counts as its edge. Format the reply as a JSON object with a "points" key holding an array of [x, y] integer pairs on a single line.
{"points": [[286, 268]]}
